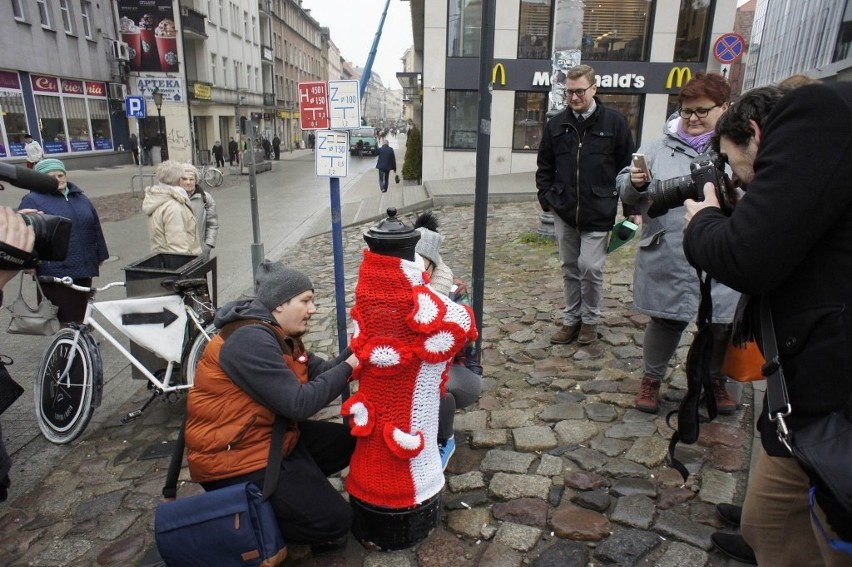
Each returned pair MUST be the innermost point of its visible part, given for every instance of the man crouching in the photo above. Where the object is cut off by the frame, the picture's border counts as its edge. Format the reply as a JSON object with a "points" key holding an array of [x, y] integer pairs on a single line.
{"points": [[255, 369]]}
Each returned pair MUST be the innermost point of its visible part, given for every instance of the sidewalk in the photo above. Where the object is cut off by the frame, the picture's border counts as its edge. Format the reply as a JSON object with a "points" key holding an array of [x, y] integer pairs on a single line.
{"points": [[553, 465]]}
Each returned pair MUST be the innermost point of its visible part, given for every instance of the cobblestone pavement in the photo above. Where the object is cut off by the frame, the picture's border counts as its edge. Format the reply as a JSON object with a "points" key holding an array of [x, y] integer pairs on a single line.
{"points": [[553, 466]]}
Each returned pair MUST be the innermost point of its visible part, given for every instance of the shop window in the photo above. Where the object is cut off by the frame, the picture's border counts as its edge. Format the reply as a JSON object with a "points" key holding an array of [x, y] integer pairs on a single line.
{"points": [[53, 135], [99, 114], [461, 116], [628, 105], [617, 30], [534, 29], [78, 125], [14, 122], [693, 29], [464, 23], [530, 117]]}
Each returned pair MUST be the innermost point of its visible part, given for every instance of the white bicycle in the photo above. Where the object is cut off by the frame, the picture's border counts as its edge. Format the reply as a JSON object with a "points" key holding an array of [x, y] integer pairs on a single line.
{"points": [[210, 175], [175, 327]]}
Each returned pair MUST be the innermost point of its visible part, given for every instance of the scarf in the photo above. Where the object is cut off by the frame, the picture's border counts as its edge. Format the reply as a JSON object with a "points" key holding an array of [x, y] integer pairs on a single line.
{"points": [[697, 143]]}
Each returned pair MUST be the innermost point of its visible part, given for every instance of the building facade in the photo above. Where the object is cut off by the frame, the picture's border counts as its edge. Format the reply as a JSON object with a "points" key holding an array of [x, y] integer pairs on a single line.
{"points": [[813, 37], [643, 51], [61, 81]]}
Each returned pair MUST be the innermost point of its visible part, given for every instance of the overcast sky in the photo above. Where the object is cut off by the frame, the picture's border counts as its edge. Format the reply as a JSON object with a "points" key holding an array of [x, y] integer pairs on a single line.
{"points": [[353, 25]]}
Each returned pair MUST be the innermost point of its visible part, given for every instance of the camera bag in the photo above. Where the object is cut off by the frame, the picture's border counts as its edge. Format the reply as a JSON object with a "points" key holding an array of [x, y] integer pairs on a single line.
{"points": [[234, 526], [41, 320], [823, 448]]}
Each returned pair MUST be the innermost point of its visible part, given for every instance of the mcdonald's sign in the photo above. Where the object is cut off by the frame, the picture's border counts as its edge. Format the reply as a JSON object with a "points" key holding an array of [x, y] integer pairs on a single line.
{"points": [[683, 74], [498, 68]]}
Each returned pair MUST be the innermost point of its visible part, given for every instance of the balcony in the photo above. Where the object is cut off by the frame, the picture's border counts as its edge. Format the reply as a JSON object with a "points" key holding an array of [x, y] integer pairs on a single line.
{"points": [[193, 24], [265, 7]]}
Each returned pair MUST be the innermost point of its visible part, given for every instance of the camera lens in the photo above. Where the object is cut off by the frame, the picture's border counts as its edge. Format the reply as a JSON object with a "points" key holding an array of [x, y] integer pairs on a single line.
{"points": [[51, 236], [669, 194]]}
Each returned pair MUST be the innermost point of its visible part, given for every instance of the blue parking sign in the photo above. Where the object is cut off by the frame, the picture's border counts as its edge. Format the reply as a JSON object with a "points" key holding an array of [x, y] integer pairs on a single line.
{"points": [[134, 107]]}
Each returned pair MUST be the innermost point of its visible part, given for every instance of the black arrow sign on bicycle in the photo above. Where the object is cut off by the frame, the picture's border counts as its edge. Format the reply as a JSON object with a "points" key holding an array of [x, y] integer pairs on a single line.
{"points": [[166, 317]]}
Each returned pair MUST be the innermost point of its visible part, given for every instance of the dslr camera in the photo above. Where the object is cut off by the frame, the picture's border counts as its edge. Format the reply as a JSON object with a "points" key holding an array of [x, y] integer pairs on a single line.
{"points": [[672, 193], [51, 232]]}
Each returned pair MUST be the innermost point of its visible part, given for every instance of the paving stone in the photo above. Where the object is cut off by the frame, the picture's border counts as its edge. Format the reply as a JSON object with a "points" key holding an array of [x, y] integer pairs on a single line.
{"points": [[466, 482], [468, 522], [471, 421], [597, 500], [604, 413], [554, 497], [534, 438], [583, 480], [508, 486], [499, 555], [717, 486], [573, 432], [635, 510], [549, 466], [517, 536], [563, 554], [671, 497], [682, 555], [442, 549], [466, 500], [389, 559], [579, 524], [648, 451], [563, 411], [631, 430], [627, 547], [123, 551], [61, 553], [634, 486], [510, 418], [486, 439], [588, 459], [527, 511], [609, 447], [498, 460], [677, 526]]}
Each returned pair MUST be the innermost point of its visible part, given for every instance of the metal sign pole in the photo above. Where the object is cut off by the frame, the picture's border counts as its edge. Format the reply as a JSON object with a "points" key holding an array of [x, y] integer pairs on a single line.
{"points": [[257, 245], [337, 252]]}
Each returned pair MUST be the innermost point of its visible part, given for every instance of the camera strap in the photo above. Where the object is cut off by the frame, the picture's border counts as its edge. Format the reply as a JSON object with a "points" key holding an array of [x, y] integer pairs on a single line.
{"points": [[12, 258]]}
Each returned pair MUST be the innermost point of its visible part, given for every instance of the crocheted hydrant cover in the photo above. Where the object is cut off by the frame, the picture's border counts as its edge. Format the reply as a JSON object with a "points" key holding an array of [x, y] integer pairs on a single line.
{"points": [[405, 336]]}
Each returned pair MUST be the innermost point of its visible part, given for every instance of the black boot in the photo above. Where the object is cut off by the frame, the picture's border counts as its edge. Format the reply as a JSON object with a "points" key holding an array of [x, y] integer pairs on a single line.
{"points": [[734, 546]]}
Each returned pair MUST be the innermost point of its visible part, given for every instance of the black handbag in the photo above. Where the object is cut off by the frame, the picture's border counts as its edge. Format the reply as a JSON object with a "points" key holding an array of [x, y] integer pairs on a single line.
{"points": [[9, 389], [234, 526], [823, 448]]}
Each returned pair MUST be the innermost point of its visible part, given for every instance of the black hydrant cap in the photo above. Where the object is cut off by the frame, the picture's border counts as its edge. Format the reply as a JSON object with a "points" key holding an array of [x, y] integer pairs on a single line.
{"points": [[392, 237]]}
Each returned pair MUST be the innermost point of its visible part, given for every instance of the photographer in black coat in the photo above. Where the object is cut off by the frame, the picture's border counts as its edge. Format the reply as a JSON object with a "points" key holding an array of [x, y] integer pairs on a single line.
{"points": [[788, 241]]}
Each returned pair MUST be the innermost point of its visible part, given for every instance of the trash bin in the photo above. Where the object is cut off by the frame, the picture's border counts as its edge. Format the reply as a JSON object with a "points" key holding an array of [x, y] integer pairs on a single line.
{"points": [[143, 278]]}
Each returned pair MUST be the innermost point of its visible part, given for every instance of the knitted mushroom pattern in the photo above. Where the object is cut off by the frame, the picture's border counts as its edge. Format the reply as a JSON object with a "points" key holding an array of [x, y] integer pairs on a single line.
{"points": [[405, 337]]}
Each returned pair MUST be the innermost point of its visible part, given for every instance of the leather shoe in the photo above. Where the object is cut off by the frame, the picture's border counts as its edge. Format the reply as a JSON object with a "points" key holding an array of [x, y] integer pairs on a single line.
{"points": [[725, 404], [588, 334], [566, 334], [731, 513], [648, 397], [734, 546]]}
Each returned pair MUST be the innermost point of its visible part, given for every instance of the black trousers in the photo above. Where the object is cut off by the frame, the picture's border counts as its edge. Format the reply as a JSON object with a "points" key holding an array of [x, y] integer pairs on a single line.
{"points": [[309, 509]]}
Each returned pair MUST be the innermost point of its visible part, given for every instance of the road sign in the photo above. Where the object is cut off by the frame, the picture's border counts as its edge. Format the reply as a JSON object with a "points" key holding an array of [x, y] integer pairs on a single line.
{"points": [[344, 104], [313, 105], [332, 153], [134, 107], [729, 48]]}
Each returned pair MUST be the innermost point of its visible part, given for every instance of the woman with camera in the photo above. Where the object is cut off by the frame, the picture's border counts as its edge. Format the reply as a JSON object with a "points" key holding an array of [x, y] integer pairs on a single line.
{"points": [[87, 248], [665, 286]]}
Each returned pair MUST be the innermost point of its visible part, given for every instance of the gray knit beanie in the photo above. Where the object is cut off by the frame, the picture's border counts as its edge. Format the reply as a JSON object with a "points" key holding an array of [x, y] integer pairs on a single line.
{"points": [[277, 284], [429, 245]]}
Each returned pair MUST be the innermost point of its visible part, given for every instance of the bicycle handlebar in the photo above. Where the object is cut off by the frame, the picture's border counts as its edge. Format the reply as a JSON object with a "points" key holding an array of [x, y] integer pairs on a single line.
{"points": [[67, 281]]}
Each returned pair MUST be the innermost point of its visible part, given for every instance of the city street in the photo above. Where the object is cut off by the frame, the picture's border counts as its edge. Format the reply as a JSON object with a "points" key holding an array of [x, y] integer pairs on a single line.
{"points": [[291, 201]]}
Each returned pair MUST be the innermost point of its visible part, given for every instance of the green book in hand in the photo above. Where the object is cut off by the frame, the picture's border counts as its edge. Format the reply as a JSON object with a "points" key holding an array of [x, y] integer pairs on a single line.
{"points": [[621, 233]]}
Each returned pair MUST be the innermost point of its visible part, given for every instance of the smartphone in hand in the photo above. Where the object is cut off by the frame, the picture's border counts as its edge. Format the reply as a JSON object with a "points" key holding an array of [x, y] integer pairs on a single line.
{"points": [[640, 163]]}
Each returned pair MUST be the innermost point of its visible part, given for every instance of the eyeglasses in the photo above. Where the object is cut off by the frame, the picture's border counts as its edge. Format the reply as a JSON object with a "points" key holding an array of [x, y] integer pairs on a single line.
{"points": [[685, 113], [577, 92]]}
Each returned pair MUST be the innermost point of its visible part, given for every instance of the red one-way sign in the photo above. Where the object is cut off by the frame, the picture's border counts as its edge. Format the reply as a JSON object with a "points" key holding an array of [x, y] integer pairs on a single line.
{"points": [[313, 105]]}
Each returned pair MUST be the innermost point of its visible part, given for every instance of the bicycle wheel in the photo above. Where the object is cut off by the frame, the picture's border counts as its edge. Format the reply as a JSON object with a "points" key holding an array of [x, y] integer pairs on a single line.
{"points": [[192, 355], [213, 177], [65, 406]]}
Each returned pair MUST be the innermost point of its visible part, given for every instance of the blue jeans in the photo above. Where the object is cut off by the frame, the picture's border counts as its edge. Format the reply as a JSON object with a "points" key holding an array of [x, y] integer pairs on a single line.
{"points": [[384, 175]]}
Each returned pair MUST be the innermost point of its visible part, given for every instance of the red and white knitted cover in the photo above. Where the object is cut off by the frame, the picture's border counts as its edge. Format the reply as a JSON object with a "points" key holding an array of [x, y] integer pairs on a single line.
{"points": [[405, 336]]}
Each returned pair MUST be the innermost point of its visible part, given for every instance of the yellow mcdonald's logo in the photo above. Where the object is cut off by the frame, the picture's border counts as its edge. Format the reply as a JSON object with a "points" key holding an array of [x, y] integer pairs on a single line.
{"points": [[498, 68], [684, 75]]}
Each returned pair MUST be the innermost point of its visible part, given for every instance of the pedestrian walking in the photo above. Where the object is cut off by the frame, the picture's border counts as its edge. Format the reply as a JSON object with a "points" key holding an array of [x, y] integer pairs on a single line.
{"points": [[385, 163], [276, 147], [576, 181], [134, 148], [219, 154], [233, 153], [35, 153], [147, 145]]}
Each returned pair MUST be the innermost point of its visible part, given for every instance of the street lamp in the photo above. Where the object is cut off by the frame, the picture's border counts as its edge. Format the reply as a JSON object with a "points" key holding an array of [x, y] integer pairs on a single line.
{"points": [[158, 102]]}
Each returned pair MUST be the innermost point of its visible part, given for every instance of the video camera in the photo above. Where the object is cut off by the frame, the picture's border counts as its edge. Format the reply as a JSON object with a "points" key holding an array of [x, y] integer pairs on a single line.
{"points": [[671, 193], [51, 232]]}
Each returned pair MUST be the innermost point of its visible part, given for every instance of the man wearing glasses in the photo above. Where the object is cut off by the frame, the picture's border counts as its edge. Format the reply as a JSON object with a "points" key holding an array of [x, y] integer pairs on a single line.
{"points": [[582, 150]]}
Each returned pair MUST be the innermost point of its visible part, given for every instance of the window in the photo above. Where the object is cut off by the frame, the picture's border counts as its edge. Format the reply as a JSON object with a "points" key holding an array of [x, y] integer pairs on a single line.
{"points": [[464, 21], [461, 117], [213, 68], [99, 113], [616, 30], [18, 11], [78, 124], [630, 106], [530, 117], [225, 71], [222, 23], [65, 10], [15, 121], [246, 31], [85, 11], [693, 27], [237, 74], [534, 30], [54, 138], [43, 13]]}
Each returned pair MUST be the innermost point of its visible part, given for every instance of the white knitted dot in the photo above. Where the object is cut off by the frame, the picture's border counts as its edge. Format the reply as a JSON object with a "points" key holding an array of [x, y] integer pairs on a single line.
{"points": [[356, 328], [458, 315], [406, 440], [359, 413], [427, 309], [440, 342], [385, 356]]}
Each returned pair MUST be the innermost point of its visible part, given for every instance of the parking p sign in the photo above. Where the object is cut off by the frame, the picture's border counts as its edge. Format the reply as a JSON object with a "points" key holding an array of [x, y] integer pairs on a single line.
{"points": [[134, 107]]}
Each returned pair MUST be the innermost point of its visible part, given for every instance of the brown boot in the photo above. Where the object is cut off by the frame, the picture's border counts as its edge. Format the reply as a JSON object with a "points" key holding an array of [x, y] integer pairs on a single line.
{"points": [[588, 334], [566, 334], [725, 404], [648, 398]]}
